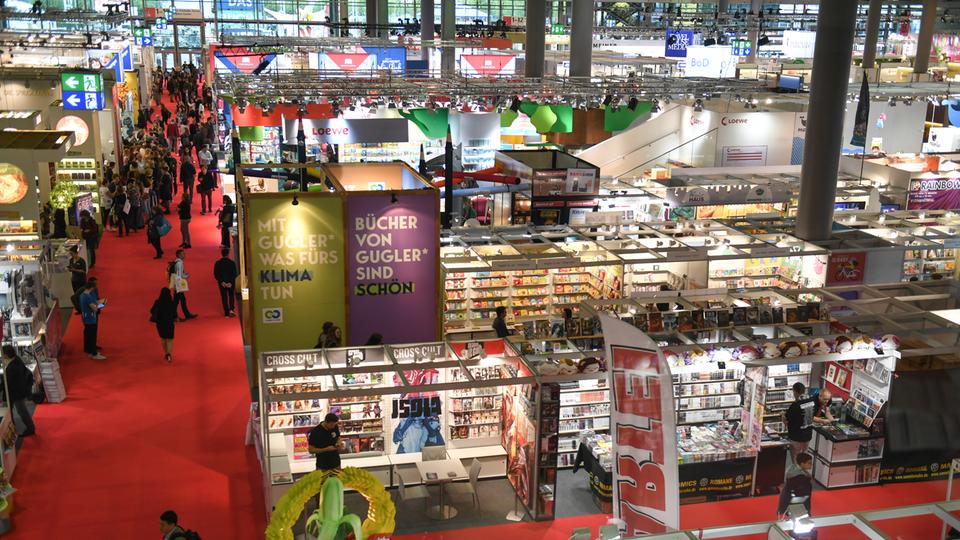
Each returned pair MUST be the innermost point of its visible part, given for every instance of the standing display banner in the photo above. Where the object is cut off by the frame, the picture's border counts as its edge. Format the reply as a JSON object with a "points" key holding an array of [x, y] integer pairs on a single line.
{"points": [[297, 263], [392, 59], [645, 471], [394, 265], [863, 116]]}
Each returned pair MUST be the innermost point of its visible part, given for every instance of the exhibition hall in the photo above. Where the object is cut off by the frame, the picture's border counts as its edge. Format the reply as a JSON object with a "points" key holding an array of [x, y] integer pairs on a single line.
{"points": [[429, 270]]}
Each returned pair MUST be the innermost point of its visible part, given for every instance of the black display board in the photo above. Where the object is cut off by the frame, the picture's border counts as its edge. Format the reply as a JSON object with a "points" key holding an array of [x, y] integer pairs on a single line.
{"points": [[716, 480]]}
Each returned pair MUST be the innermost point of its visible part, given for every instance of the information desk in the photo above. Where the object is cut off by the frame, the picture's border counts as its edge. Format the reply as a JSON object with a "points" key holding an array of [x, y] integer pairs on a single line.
{"points": [[846, 455]]}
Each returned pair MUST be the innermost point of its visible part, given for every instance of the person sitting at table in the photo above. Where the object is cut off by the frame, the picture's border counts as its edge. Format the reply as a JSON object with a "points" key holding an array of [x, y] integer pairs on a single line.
{"points": [[324, 442]]}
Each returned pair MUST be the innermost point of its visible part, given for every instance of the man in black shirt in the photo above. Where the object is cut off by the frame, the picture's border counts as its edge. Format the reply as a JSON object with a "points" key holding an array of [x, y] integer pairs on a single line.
{"points": [[799, 430], [225, 272], [324, 441], [78, 276], [499, 324]]}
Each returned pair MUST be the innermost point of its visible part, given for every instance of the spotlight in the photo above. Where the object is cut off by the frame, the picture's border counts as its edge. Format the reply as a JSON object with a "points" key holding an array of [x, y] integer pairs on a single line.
{"points": [[764, 40], [295, 201], [393, 198]]}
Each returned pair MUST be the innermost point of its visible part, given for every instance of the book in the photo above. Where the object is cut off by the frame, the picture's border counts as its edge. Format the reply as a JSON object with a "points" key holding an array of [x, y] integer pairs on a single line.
{"points": [[791, 315], [739, 316], [723, 318], [777, 315], [753, 315], [655, 322]]}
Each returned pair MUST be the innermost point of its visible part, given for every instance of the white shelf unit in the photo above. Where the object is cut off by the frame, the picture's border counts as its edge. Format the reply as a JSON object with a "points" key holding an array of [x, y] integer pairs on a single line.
{"points": [[584, 405], [705, 394], [473, 415]]}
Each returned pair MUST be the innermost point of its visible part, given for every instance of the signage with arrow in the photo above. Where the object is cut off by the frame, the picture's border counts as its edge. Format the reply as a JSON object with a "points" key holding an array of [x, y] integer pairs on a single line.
{"points": [[81, 91]]}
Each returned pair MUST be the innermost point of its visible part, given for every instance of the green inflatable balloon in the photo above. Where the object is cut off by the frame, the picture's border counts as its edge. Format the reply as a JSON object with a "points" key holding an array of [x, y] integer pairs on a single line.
{"points": [[529, 108], [543, 119], [507, 117]]}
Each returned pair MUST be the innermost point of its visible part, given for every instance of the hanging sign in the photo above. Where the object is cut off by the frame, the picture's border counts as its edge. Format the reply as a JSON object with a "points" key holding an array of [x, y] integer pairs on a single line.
{"points": [[846, 268], [645, 476], [81, 91], [934, 194], [742, 47], [677, 43], [393, 261], [343, 131]]}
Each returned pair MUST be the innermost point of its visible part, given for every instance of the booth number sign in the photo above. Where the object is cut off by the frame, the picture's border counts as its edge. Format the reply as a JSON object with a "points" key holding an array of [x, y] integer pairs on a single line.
{"points": [[420, 407]]}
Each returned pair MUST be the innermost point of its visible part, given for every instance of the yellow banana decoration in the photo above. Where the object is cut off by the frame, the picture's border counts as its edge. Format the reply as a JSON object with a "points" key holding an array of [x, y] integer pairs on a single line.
{"points": [[381, 514]]}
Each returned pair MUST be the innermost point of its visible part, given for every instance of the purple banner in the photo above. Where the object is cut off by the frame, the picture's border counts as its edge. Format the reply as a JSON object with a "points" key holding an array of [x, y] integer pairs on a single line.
{"points": [[934, 194], [393, 263]]}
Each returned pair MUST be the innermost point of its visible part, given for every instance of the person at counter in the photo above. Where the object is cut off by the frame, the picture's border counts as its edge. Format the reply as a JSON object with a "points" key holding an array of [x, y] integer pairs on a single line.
{"points": [[798, 430], [324, 442], [821, 413]]}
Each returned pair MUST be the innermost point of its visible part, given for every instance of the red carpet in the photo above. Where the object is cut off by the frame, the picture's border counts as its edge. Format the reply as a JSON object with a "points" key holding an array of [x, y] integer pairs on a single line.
{"points": [[137, 436], [741, 511]]}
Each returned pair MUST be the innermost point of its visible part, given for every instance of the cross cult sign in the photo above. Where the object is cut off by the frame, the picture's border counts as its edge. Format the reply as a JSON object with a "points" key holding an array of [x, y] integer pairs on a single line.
{"points": [[81, 91]]}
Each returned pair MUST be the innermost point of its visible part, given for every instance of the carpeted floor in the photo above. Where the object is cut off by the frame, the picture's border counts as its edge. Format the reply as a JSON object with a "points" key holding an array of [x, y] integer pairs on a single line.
{"points": [[137, 436], [739, 511]]}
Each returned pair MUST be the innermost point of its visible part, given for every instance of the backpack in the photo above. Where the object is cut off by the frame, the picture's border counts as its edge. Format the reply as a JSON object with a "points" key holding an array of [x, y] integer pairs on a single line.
{"points": [[187, 534], [172, 267]]}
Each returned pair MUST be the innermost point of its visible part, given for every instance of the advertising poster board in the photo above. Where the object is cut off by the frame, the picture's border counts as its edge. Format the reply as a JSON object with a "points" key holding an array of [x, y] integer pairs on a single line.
{"points": [[645, 477], [343, 131], [393, 267], [677, 42], [715, 62], [798, 44], [744, 156], [846, 268], [581, 182], [934, 194], [518, 435], [297, 266], [393, 59], [487, 65]]}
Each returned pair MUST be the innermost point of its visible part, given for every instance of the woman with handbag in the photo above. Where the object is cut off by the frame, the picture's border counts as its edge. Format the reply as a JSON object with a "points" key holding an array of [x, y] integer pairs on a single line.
{"points": [[164, 314], [157, 228]]}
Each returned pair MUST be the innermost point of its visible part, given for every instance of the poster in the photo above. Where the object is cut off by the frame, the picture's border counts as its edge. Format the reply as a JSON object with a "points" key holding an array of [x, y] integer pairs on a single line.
{"points": [[301, 443], [744, 156], [393, 268], [645, 478], [518, 435], [297, 265], [934, 194], [846, 268], [896, 468], [677, 42], [581, 182]]}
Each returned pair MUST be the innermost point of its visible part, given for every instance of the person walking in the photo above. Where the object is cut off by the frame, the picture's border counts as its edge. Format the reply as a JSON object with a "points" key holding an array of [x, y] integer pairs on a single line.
{"points": [[204, 154], [207, 184], [183, 212], [225, 272], [78, 276], [20, 381], [157, 227], [225, 220], [188, 171], [121, 208], [90, 232], [179, 284], [90, 307], [106, 204], [164, 315]]}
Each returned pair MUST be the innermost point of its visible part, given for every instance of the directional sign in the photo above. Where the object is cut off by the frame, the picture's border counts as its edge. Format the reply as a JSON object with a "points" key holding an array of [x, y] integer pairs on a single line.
{"points": [[82, 91], [126, 60]]}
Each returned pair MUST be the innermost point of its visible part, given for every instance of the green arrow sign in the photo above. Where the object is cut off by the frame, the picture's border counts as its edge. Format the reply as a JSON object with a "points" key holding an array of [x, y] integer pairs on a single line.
{"points": [[80, 82]]}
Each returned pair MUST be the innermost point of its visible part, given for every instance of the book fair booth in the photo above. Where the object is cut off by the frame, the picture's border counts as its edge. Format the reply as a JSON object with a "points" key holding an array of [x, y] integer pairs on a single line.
{"points": [[526, 409]]}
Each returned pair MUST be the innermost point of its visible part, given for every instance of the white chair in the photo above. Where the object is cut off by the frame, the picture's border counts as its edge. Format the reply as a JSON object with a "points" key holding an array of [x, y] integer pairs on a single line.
{"points": [[411, 493], [434, 453], [464, 490]]}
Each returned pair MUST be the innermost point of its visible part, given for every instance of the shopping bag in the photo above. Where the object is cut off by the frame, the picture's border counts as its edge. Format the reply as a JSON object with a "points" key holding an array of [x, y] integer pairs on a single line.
{"points": [[164, 227], [126, 207], [181, 284]]}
